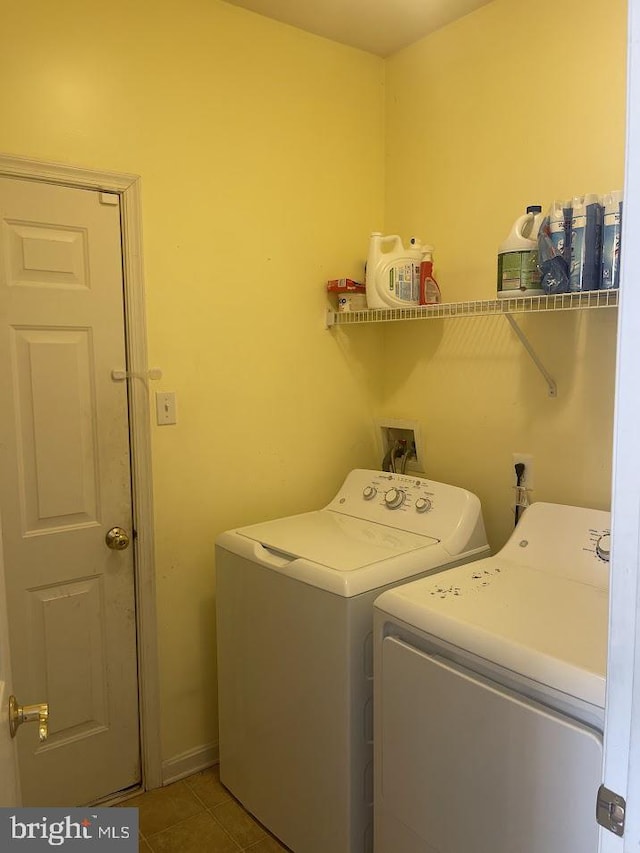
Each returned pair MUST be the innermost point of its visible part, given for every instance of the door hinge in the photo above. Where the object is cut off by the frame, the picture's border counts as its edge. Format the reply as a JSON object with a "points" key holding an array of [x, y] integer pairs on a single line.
{"points": [[610, 810]]}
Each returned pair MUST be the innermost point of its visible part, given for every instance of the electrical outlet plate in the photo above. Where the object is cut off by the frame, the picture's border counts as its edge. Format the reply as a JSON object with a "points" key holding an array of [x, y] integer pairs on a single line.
{"points": [[389, 430], [527, 460]]}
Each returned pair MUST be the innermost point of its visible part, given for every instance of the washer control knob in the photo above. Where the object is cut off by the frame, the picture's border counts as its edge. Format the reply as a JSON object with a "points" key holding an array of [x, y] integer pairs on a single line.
{"points": [[423, 505], [603, 547], [369, 492], [394, 498]]}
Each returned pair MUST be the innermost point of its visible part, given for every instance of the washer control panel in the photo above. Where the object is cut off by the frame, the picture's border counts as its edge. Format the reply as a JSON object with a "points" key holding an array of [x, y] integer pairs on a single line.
{"points": [[409, 503], [423, 505], [437, 510], [396, 491]]}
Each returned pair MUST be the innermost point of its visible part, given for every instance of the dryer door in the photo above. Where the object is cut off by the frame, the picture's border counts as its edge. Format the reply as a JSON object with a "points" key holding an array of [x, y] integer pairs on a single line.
{"points": [[463, 764]]}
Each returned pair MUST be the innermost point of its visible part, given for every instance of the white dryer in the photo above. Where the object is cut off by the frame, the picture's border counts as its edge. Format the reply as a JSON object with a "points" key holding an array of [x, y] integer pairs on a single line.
{"points": [[294, 602], [489, 696]]}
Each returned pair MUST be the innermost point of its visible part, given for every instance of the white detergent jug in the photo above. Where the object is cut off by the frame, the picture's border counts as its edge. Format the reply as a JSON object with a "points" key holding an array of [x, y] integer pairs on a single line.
{"points": [[518, 273], [393, 272]]}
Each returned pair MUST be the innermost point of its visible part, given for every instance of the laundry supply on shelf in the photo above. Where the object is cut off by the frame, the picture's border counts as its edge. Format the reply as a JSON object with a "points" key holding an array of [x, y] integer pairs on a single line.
{"points": [[560, 216], [393, 272], [586, 243], [554, 248], [352, 302], [351, 294], [429, 290], [579, 244], [611, 238], [345, 285], [518, 273]]}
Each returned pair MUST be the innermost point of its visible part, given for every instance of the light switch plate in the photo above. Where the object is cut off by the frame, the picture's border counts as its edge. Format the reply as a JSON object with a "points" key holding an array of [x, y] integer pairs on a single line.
{"points": [[165, 408]]}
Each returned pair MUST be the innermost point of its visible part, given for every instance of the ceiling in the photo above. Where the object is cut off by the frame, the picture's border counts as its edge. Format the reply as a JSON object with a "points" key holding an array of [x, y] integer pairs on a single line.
{"points": [[378, 26]]}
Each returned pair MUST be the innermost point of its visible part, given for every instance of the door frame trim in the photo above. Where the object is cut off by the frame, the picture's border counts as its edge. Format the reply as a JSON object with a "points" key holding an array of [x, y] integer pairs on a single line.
{"points": [[128, 188]]}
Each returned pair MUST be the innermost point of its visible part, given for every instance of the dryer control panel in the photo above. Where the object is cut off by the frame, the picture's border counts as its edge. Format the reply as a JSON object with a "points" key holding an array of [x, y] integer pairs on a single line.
{"points": [[409, 503], [567, 541], [600, 544]]}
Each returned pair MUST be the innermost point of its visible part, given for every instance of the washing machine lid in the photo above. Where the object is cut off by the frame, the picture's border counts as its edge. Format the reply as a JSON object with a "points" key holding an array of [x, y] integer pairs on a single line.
{"points": [[552, 630], [336, 541]]}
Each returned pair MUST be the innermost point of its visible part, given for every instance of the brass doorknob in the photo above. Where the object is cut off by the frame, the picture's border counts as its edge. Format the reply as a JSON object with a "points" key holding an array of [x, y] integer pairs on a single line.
{"points": [[117, 538], [19, 714]]}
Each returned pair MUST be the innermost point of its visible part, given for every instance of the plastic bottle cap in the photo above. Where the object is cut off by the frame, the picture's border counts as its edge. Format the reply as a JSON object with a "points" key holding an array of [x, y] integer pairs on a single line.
{"points": [[534, 208]]}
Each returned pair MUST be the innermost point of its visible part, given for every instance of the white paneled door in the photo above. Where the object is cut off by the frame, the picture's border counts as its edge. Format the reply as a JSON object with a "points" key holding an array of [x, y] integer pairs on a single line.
{"points": [[64, 483]]}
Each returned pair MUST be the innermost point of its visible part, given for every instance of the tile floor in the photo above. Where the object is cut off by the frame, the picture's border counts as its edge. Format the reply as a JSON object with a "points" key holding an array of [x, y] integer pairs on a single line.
{"points": [[198, 815]]}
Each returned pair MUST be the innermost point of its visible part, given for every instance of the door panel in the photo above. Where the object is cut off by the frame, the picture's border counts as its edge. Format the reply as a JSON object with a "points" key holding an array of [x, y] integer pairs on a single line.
{"points": [[466, 765], [64, 481], [40, 255], [64, 618], [56, 443]]}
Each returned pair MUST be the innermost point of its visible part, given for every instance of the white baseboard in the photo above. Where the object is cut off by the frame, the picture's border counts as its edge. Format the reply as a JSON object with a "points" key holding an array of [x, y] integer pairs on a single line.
{"points": [[189, 762]]}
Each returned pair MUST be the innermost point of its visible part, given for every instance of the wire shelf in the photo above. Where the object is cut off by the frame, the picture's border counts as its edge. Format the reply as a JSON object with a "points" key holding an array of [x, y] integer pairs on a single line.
{"points": [[479, 308]]}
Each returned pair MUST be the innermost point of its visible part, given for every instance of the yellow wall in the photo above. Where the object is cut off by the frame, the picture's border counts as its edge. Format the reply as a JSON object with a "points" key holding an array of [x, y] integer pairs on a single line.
{"points": [[261, 154], [513, 105]]}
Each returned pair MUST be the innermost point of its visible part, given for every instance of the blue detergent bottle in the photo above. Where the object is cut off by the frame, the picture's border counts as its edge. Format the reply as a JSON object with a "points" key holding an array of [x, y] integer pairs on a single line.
{"points": [[611, 237], [586, 243]]}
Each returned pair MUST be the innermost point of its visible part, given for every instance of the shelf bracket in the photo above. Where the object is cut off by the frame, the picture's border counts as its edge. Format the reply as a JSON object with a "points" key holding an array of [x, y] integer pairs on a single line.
{"points": [[553, 389]]}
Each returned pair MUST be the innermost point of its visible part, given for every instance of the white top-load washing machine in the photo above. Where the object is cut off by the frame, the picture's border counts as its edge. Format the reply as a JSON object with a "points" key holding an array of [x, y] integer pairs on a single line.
{"points": [[294, 602], [489, 696]]}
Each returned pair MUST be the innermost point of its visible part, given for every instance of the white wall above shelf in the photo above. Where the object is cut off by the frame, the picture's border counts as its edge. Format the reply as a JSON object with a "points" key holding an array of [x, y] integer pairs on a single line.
{"points": [[479, 308], [486, 308]]}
